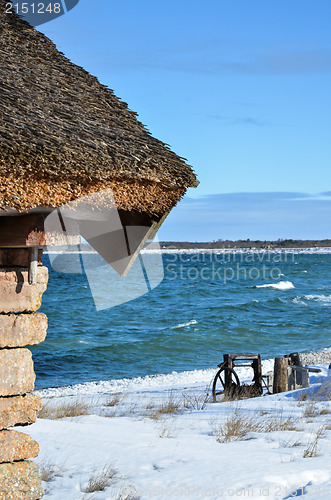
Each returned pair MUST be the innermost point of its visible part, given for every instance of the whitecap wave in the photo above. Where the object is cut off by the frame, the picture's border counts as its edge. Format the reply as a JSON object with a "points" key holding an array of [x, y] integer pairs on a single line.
{"points": [[299, 301], [182, 325], [324, 299], [282, 285]]}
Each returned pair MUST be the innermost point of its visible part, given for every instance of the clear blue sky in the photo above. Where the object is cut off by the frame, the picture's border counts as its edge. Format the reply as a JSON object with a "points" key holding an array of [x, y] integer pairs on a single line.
{"points": [[240, 88]]}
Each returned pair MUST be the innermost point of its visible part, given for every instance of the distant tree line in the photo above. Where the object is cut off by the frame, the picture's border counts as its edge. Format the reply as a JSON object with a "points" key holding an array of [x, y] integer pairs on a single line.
{"points": [[250, 244]]}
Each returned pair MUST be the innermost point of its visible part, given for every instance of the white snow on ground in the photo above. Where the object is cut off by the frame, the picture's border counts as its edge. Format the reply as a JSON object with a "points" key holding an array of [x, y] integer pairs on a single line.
{"points": [[178, 455]]}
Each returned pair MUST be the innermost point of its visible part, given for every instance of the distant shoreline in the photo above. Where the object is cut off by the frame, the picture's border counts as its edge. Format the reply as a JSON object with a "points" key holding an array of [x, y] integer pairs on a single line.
{"points": [[280, 244], [194, 249], [219, 245]]}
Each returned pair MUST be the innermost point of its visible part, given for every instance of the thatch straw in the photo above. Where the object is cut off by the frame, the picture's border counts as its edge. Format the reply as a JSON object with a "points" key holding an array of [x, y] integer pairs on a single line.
{"points": [[64, 135]]}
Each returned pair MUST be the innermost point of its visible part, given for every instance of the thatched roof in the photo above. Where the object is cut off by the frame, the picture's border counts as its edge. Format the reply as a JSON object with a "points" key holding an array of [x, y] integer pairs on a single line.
{"points": [[64, 135]]}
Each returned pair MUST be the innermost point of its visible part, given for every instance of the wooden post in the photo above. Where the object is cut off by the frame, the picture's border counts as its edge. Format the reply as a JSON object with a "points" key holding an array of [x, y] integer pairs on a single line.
{"points": [[256, 365], [295, 358], [33, 266], [227, 374], [280, 375], [298, 378]]}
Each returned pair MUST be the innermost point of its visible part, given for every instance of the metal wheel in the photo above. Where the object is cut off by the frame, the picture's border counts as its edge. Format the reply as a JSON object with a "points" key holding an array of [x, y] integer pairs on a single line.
{"points": [[219, 381]]}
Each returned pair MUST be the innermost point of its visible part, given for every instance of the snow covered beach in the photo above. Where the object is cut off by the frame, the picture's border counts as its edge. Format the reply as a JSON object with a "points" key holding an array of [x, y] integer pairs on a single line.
{"points": [[159, 437]]}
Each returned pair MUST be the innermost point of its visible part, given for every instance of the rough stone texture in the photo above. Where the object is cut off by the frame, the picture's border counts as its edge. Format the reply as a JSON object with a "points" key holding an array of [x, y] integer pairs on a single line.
{"points": [[16, 372], [22, 329], [19, 410], [20, 481], [16, 295], [16, 446]]}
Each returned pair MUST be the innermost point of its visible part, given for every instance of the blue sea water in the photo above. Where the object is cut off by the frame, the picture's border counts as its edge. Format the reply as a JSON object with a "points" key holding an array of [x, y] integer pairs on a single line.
{"points": [[207, 304]]}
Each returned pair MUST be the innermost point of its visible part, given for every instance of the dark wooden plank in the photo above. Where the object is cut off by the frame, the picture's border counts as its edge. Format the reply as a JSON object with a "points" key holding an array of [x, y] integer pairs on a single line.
{"points": [[20, 257], [306, 368], [28, 231]]}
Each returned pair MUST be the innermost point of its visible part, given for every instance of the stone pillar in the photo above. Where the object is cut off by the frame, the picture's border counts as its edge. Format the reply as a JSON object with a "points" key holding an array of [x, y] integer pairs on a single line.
{"points": [[20, 326], [23, 281]]}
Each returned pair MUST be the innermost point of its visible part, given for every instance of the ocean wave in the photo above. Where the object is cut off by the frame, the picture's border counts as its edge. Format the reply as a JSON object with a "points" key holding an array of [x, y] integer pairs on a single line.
{"points": [[304, 301], [299, 301], [324, 299], [183, 325], [269, 303], [282, 285]]}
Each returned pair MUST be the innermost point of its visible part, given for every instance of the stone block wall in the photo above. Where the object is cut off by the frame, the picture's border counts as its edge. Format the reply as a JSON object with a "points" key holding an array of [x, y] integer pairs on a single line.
{"points": [[20, 326]]}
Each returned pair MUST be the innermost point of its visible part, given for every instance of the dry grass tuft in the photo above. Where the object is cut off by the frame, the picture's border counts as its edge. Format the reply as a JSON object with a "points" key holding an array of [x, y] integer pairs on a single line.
{"points": [[310, 410], [280, 423], [167, 430], [168, 408], [235, 428], [312, 449], [303, 396], [114, 399], [99, 481], [150, 405], [128, 492], [320, 395], [325, 411], [196, 401], [290, 443], [238, 425], [47, 470], [326, 396], [74, 408]]}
